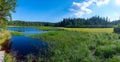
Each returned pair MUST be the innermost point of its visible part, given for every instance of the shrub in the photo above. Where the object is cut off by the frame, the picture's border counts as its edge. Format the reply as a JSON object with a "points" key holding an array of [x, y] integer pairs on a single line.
{"points": [[117, 29]]}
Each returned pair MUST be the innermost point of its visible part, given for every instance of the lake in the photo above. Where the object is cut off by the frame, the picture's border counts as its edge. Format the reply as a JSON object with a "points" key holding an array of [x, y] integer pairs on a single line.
{"points": [[24, 45]]}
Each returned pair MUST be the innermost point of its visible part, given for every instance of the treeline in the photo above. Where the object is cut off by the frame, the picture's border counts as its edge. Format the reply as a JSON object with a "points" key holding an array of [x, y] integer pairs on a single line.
{"points": [[23, 23], [93, 22]]}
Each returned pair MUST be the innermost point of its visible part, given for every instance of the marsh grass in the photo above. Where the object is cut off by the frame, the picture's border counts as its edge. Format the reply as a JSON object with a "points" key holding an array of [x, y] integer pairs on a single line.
{"points": [[49, 28], [95, 30], [77, 46], [16, 33]]}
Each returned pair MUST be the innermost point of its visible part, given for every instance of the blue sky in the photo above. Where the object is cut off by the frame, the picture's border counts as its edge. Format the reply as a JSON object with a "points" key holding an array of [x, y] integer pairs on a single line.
{"points": [[56, 10]]}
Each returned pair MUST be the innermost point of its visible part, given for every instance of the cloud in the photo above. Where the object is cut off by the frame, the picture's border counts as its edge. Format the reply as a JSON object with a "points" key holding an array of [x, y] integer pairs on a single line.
{"points": [[101, 2], [117, 2], [81, 9]]}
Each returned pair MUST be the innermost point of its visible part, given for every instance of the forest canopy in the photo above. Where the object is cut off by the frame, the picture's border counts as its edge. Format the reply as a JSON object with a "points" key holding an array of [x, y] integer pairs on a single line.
{"points": [[93, 22]]}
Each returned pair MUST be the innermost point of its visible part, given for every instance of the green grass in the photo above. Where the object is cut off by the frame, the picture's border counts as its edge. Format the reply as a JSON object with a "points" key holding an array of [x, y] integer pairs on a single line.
{"points": [[16, 33], [48, 28], [95, 30], [82, 46], [4, 35], [9, 58]]}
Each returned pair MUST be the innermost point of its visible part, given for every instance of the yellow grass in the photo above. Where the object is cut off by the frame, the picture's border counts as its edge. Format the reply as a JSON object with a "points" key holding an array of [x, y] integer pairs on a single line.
{"points": [[107, 30], [4, 35]]}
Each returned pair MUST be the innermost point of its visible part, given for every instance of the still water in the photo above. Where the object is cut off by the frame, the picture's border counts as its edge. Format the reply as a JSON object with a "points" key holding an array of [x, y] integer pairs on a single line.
{"points": [[24, 45]]}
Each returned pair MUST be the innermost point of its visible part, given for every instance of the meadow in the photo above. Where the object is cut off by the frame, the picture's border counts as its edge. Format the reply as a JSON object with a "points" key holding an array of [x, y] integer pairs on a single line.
{"points": [[49, 28], [95, 30], [82, 45]]}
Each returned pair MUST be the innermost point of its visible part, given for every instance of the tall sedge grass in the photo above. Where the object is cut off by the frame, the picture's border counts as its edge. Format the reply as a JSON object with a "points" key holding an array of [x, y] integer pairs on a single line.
{"points": [[74, 46], [16, 33]]}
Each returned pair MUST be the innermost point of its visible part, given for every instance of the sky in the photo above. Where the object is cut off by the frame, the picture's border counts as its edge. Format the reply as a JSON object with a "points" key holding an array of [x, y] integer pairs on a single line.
{"points": [[56, 10]]}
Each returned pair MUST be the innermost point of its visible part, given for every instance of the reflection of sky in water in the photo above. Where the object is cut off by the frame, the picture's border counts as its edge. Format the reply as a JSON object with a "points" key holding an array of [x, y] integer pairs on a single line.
{"points": [[25, 45], [34, 32], [27, 30]]}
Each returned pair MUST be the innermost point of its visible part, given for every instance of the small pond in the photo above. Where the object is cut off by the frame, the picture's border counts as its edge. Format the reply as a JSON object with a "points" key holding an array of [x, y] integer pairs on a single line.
{"points": [[24, 45]]}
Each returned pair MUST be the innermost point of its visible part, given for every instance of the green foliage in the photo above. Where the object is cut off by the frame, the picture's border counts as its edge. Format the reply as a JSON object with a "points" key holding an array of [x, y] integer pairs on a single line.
{"points": [[49, 28], [117, 28], [16, 33], [114, 59], [106, 51], [8, 58], [4, 35], [76, 46], [23, 23], [93, 22], [6, 6]]}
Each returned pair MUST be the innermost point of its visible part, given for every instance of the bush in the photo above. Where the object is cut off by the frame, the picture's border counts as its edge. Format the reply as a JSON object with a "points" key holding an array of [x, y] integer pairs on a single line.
{"points": [[117, 29]]}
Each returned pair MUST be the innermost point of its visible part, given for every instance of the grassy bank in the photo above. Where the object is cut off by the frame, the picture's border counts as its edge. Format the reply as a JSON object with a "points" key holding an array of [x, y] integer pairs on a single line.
{"points": [[77, 46], [16, 33], [96, 30], [4, 35], [48, 28]]}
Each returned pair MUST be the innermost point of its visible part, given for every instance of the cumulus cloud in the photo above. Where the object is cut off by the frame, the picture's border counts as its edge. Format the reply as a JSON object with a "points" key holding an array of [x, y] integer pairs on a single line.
{"points": [[80, 9]]}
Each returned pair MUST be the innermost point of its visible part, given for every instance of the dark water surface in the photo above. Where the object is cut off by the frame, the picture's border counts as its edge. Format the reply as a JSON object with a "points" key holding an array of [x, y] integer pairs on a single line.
{"points": [[24, 45]]}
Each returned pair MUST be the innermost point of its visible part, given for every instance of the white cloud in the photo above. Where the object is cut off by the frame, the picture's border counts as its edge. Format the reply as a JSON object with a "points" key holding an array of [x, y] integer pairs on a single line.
{"points": [[117, 2], [101, 2], [80, 9]]}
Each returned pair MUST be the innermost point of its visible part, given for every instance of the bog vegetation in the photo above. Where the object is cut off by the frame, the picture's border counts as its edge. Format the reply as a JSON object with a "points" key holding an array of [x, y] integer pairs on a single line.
{"points": [[86, 40], [16, 33], [79, 45]]}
